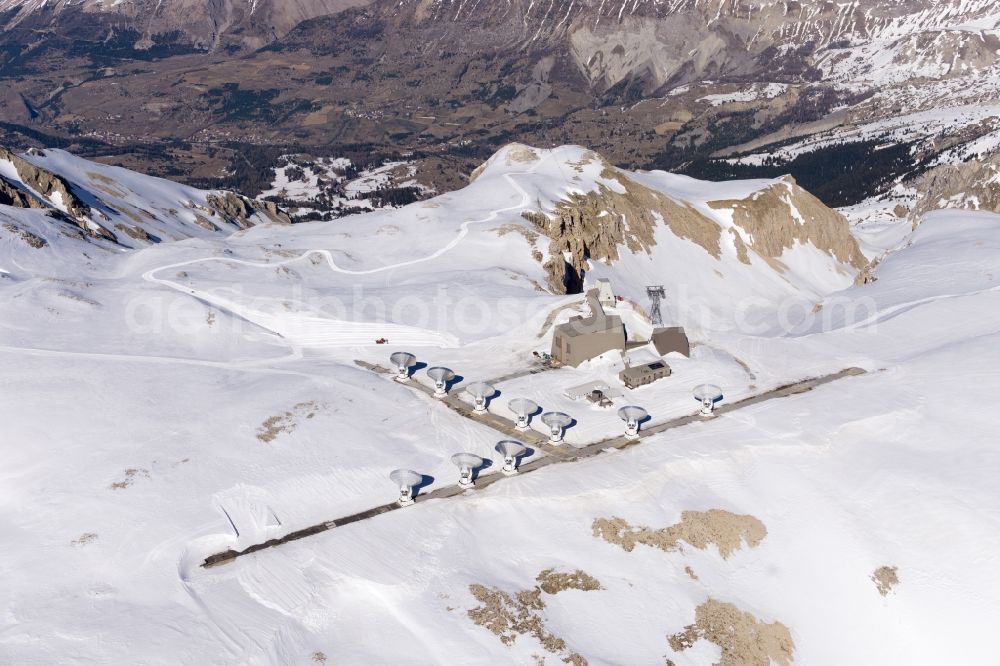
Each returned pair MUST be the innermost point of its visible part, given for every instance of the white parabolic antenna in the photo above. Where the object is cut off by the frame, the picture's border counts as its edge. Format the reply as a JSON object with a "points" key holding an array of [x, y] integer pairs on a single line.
{"points": [[707, 395], [466, 463], [405, 479], [631, 415], [557, 422], [511, 450], [441, 377], [523, 408], [480, 391], [403, 361]]}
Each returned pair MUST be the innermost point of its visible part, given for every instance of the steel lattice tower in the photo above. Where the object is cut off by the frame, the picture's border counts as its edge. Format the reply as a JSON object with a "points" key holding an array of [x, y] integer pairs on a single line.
{"points": [[655, 293]]}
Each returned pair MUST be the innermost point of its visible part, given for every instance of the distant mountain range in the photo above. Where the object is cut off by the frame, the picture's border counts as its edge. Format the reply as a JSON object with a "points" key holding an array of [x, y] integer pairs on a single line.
{"points": [[854, 99]]}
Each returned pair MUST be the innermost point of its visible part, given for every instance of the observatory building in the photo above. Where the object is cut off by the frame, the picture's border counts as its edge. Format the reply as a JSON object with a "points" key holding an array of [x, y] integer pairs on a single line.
{"points": [[605, 294], [672, 339], [583, 338], [640, 375]]}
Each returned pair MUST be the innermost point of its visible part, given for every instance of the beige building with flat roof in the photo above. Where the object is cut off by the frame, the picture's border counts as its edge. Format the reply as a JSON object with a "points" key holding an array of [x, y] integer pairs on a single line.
{"points": [[647, 373], [583, 338]]}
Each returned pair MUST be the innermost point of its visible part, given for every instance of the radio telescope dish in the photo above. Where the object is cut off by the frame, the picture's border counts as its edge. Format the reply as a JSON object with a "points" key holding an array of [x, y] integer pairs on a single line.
{"points": [[511, 451], [480, 391], [403, 362], [523, 409], [631, 415], [466, 463], [707, 395], [441, 377], [406, 479], [557, 422]]}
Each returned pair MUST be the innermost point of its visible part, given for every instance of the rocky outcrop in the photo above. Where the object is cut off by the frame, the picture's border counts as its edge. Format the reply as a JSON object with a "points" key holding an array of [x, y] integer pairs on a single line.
{"points": [[56, 192], [781, 215], [12, 195], [50, 185], [623, 213], [96, 200], [239, 210], [972, 185], [592, 226]]}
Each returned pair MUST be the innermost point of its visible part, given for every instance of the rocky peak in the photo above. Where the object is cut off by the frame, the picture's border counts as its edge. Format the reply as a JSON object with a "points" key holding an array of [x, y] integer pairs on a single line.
{"points": [[624, 213]]}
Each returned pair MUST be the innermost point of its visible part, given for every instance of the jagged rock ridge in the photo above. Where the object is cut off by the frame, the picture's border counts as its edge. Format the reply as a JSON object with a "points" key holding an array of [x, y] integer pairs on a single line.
{"points": [[120, 206]]}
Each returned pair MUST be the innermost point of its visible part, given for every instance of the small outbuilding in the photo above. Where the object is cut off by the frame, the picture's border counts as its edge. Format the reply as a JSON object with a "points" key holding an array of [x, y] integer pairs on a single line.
{"points": [[641, 375], [671, 339], [583, 338]]}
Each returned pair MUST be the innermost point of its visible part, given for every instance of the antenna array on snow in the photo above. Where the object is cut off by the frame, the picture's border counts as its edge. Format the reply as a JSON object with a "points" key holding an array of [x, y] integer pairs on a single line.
{"points": [[523, 408], [557, 422], [403, 362], [481, 392], [511, 450], [441, 377], [708, 395], [632, 415], [466, 463], [405, 479]]}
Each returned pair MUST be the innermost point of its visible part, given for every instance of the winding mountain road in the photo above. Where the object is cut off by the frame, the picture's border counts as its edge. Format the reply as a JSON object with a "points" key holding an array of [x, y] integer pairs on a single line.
{"points": [[312, 330]]}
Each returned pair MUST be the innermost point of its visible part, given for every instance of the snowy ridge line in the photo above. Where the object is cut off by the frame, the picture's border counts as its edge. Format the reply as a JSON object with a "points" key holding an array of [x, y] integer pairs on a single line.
{"points": [[569, 455], [324, 332]]}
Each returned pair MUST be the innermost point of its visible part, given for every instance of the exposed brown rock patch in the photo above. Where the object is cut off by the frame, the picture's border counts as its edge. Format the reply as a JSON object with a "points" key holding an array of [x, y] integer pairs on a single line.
{"points": [[971, 185], [285, 422], [30, 239], [84, 539], [728, 531], [744, 640], [509, 616], [131, 475], [239, 210], [554, 582], [768, 217], [885, 578]]}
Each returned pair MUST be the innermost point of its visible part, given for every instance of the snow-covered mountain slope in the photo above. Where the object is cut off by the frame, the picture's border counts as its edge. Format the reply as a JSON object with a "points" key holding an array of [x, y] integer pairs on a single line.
{"points": [[119, 206], [157, 399]]}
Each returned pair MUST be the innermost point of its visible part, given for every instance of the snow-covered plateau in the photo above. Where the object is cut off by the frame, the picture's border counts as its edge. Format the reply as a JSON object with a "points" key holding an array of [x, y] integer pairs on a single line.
{"points": [[168, 401]]}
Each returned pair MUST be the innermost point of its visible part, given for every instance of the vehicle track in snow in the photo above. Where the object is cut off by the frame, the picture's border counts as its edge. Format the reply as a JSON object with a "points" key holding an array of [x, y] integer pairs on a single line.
{"points": [[301, 330]]}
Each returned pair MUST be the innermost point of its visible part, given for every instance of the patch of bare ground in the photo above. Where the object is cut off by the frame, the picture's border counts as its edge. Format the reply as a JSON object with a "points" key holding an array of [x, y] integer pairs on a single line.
{"points": [[554, 582], [690, 572], [319, 657], [744, 640], [728, 531], [529, 234], [131, 475], [285, 422], [511, 615], [84, 539], [885, 578], [33, 241]]}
